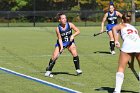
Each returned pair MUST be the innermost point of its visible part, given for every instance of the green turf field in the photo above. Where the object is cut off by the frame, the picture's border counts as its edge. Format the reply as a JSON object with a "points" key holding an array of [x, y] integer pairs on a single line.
{"points": [[27, 50]]}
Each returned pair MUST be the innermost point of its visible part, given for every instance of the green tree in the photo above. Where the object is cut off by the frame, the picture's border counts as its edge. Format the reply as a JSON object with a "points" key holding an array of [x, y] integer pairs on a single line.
{"points": [[12, 5], [19, 4], [137, 2]]}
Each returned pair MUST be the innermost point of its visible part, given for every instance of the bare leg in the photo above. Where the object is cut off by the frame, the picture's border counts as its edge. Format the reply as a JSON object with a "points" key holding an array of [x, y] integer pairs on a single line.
{"points": [[74, 53], [112, 44], [138, 58], [52, 62], [110, 36], [131, 63], [73, 50], [123, 60]]}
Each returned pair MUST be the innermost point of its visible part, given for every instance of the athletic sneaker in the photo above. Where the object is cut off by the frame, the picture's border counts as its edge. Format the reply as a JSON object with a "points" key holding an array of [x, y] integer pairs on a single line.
{"points": [[48, 74], [112, 52], [78, 71]]}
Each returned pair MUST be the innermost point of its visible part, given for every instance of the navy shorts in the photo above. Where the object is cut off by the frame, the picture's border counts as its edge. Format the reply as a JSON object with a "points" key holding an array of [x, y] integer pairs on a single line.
{"points": [[109, 27], [64, 44]]}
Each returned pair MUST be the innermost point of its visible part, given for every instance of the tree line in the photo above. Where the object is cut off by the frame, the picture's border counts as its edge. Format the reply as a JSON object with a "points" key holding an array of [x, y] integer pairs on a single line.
{"points": [[70, 5], [89, 10]]}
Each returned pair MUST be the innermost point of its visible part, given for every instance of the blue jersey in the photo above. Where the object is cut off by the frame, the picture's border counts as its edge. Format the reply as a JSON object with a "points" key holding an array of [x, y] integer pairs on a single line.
{"points": [[112, 19], [65, 34]]}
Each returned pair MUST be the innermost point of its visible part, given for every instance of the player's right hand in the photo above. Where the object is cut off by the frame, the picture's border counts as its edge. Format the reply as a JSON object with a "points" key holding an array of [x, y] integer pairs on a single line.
{"points": [[117, 44]]}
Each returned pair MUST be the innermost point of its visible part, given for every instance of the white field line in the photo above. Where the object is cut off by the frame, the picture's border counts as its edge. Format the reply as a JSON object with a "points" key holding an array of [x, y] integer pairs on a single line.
{"points": [[39, 81]]}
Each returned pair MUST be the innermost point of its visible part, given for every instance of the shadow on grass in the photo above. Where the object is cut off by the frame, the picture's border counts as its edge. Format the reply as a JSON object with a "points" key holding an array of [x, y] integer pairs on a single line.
{"points": [[64, 73], [110, 90], [102, 52]]}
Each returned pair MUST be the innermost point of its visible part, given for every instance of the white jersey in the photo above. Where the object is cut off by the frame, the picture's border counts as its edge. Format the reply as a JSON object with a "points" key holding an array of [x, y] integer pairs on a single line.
{"points": [[131, 39]]}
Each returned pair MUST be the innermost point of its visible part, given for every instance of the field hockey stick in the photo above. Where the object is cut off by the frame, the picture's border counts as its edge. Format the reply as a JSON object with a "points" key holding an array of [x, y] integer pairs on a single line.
{"points": [[62, 51], [131, 66], [96, 34], [53, 61]]}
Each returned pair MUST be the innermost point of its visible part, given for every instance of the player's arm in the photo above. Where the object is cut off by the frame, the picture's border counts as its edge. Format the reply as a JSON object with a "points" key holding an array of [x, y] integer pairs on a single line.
{"points": [[103, 22], [116, 30], [119, 14], [77, 31], [59, 38]]}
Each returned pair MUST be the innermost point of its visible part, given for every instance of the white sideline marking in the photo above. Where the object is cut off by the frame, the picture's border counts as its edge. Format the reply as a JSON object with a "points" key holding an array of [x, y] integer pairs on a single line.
{"points": [[40, 81]]}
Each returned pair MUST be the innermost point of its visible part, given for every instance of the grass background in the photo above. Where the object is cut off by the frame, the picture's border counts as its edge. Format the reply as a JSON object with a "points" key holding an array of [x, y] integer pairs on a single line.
{"points": [[27, 50]]}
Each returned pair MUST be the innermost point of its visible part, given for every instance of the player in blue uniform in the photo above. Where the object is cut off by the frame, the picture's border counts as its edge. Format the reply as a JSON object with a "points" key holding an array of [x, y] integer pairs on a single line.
{"points": [[111, 16], [64, 35]]}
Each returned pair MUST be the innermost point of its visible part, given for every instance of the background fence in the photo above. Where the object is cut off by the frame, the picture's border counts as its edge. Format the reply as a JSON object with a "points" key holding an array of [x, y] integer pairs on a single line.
{"points": [[43, 12], [48, 18]]}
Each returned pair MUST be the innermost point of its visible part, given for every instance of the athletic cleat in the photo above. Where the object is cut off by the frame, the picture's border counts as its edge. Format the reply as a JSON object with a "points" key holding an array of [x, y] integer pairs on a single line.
{"points": [[78, 71], [112, 52], [48, 74]]}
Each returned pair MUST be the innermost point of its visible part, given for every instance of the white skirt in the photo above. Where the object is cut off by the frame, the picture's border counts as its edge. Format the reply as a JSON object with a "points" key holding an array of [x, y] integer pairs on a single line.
{"points": [[131, 46]]}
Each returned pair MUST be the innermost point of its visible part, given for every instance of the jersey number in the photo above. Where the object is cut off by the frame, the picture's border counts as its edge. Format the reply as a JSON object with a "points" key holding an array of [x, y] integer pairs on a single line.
{"points": [[66, 38], [113, 22], [130, 31]]}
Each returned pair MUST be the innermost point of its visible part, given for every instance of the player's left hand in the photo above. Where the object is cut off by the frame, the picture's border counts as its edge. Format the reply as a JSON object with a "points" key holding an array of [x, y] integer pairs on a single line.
{"points": [[71, 38], [61, 49], [117, 44]]}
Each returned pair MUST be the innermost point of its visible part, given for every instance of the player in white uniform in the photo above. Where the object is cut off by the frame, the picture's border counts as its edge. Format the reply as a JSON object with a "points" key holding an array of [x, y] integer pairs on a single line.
{"points": [[131, 39], [130, 46]]}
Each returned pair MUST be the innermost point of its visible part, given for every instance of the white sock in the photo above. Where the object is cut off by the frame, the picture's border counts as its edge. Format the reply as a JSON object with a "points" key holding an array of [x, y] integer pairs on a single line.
{"points": [[119, 81]]}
